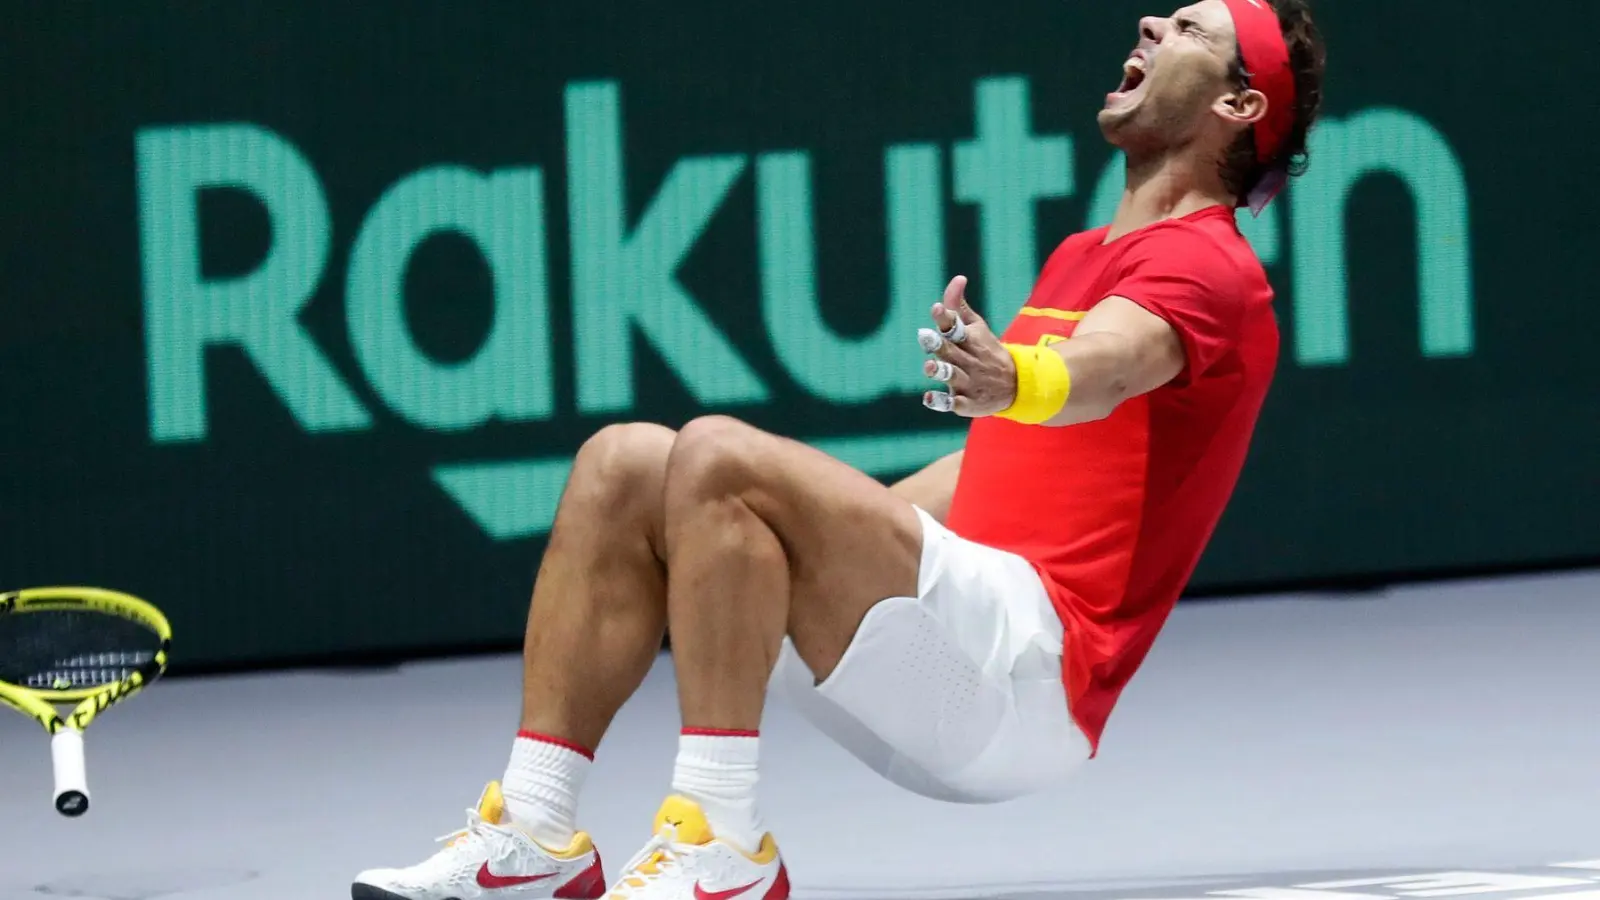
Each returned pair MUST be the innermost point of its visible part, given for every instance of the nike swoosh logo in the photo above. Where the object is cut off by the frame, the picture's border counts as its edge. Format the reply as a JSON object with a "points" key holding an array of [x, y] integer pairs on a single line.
{"points": [[701, 893], [490, 881]]}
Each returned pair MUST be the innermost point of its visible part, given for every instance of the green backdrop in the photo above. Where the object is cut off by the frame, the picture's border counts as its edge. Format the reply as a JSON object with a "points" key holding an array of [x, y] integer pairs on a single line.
{"points": [[307, 305]]}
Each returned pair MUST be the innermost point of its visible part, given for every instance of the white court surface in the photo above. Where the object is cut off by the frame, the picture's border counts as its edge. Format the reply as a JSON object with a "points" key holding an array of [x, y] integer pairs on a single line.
{"points": [[1418, 730]]}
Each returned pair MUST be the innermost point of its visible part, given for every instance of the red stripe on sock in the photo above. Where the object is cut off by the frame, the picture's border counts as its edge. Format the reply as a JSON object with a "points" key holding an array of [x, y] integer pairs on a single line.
{"points": [[579, 749], [721, 732]]}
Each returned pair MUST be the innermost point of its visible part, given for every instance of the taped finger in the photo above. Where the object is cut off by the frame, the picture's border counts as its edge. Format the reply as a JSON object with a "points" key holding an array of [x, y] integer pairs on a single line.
{"points": [[929, 340], [956, 333], [938, 401], [943, 370]]}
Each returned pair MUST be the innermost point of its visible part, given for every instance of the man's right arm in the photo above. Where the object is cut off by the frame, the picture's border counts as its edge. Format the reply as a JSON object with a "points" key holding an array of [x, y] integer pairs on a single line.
{"points": [[932, 487]]}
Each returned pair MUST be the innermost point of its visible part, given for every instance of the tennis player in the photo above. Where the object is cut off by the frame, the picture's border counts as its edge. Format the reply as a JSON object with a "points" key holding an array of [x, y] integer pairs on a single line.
{"points": [[967, 631]]}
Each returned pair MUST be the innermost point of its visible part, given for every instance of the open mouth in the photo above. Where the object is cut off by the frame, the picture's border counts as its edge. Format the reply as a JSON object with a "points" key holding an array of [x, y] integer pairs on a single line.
{"points": [[1133, 75]]}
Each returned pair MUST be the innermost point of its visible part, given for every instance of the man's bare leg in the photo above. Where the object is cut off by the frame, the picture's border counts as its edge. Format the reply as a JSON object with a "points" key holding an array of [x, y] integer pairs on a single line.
{"points": [[598, 613], [595, 624], [599, 608], [768, 537], [765, 537]]}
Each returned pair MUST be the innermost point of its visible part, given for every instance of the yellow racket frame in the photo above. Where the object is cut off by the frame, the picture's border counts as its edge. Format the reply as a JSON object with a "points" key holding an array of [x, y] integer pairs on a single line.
{"points": [[40, 703]]}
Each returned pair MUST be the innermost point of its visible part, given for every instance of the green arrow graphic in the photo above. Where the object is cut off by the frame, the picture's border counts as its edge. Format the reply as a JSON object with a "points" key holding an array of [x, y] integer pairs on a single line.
{"points": [[518, 499]]}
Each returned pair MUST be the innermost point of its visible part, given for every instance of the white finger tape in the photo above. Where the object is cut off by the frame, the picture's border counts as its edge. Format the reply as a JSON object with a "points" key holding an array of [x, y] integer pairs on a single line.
{"points": [[929, 340], [957, 332], [939, 401], [943, 370]]}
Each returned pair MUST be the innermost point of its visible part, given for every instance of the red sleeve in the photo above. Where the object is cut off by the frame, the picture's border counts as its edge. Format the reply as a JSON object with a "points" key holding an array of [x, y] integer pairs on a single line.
{"points": [[1195, 286]]}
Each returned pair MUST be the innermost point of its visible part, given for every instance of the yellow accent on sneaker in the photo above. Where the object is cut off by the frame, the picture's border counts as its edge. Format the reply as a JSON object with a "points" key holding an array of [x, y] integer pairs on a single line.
{"points": [[766, 853], [492, 809], [492, 804], [581, 845], [686, 819], [681, 829], [690, 826]]}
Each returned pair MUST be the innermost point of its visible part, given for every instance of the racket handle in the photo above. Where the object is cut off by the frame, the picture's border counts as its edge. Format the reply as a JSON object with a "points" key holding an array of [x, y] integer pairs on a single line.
{"points": [[72, 781]]}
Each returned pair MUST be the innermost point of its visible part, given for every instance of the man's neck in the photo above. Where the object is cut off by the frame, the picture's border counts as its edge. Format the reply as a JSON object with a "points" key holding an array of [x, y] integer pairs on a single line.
{"points": [[1170, 188]]}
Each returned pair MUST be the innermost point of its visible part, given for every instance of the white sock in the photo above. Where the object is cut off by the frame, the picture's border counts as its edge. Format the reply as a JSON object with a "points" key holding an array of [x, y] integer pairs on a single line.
{"points": [[541, 787], [717, 769]]}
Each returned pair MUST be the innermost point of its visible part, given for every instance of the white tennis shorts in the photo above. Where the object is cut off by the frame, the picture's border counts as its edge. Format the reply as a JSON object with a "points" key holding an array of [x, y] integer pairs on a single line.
{"points": [[955, 693]]}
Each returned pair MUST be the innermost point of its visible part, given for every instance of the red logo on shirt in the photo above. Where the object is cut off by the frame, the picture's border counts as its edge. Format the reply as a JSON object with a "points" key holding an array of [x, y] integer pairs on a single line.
{"points": [[490, 881]]}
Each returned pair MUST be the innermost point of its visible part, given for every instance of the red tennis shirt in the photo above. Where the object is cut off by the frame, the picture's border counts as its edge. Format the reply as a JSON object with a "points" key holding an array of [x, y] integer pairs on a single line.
{"points": [[1114, 514]]}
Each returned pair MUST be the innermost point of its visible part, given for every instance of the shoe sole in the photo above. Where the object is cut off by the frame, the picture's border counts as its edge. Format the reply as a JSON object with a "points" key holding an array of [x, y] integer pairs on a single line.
{"points": [[368, 892]]}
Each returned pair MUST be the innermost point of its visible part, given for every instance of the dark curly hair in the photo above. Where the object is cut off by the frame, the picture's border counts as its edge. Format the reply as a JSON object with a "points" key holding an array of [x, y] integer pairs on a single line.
{"points": [[1308, 58]]}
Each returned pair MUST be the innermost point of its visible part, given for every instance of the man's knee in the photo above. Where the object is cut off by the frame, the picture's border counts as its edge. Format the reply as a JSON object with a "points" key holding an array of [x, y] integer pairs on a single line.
{"points": [[714, 456], [622, 466]]}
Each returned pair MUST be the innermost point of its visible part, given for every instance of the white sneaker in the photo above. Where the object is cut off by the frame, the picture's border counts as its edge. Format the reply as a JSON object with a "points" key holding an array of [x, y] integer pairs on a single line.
{"points": [[685, 861], [491, 858]]}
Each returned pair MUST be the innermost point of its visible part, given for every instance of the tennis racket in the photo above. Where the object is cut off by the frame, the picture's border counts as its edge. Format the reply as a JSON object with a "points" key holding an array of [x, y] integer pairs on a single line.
{"points": [[76, 645]]}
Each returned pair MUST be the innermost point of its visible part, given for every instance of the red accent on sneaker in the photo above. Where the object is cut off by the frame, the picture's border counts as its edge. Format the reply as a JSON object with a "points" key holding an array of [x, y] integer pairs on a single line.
{"points": [[780, 885], [590, 884], [701, 893], [721, 732], [577, 748], [490, 881]]}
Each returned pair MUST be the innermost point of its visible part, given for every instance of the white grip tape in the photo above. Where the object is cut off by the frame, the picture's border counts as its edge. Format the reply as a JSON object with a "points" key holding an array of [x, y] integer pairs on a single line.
{"points": [[66, 752]]}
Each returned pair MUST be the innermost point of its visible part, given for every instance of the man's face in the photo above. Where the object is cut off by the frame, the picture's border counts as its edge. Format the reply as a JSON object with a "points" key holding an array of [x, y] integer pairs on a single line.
{"points": [[1178, 70]]}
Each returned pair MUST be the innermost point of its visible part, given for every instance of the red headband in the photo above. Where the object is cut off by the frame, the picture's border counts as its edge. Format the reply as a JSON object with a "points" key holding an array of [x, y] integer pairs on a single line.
{"points": [[1266, 58]]}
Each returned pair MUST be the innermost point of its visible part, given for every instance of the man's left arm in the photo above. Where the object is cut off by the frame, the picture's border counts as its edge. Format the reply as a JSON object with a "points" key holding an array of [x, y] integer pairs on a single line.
{"points": [[1119, 351], [1183, 320]]}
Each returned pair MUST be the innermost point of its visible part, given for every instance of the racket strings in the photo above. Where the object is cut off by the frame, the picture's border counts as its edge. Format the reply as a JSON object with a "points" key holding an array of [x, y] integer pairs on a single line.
{"points": [[91, 670], [72, 649]]}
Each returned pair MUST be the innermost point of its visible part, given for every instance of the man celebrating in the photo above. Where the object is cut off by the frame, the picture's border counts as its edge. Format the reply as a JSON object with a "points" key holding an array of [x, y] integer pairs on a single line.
{"points": [[967, 631]]}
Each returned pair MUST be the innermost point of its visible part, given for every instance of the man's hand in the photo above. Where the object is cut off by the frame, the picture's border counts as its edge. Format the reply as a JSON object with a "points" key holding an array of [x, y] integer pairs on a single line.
{"points": [[967, 357]]}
